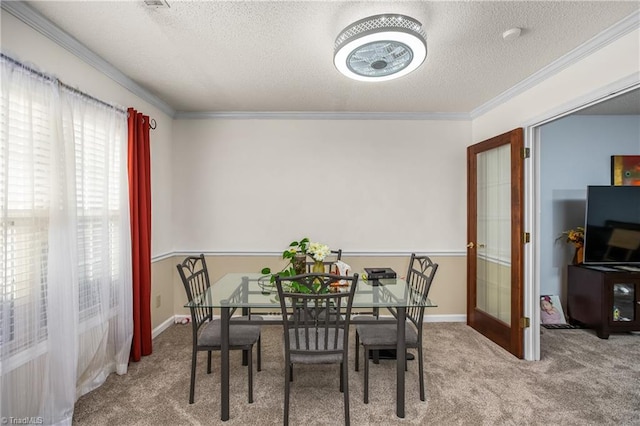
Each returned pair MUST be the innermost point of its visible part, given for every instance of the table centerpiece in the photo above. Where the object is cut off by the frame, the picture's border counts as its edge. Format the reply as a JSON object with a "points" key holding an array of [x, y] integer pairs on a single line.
{"points": [[296, 254]]}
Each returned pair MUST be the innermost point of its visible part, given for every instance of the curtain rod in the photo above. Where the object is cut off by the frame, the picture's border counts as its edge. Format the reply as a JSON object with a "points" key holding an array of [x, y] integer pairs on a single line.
{"points": [[55, 80]]}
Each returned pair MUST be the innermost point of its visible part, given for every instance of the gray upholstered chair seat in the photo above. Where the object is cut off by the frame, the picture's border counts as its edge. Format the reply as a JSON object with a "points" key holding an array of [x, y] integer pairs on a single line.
{"points": [[316, 327], [385, 334], [239, 334], [206, 331]]}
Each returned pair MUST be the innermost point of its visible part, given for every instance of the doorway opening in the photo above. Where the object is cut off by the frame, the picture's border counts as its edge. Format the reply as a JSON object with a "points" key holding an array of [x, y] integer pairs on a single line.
{"points": [[569, 150]]}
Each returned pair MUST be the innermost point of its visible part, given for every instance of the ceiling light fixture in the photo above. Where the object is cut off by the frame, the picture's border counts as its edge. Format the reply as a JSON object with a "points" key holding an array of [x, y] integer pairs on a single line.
{"points": [[380, 48]]}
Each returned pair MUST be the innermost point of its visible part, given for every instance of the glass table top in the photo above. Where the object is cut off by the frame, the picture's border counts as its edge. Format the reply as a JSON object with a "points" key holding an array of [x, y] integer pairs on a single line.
{"points": [[253, 290]]}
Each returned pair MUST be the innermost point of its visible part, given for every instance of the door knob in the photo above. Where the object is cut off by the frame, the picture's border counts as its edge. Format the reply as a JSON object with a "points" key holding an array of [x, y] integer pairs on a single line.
{"points": [[470, 245], [481, 245]]}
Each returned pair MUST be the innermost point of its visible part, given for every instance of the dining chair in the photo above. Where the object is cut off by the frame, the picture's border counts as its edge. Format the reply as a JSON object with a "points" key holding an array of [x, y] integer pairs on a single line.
{"points": [[384, 336], [333, 257], [316, 326], [206, 330]]}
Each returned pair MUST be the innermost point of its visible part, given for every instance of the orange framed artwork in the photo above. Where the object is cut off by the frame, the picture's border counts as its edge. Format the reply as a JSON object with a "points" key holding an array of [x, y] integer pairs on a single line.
{"points": [[625, 170]]}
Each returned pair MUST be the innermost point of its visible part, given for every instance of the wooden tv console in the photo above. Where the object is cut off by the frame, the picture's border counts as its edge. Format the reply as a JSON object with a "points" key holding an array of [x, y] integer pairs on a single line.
{"points": [[604, 298]]}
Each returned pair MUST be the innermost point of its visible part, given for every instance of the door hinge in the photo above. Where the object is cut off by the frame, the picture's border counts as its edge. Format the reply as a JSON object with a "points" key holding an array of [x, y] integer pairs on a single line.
{"points": [[526, 237], [526, 152], [524, 322]]}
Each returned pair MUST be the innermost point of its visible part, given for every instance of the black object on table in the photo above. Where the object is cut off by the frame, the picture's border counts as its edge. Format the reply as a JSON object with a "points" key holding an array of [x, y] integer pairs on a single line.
{"points": [[389, 354]]}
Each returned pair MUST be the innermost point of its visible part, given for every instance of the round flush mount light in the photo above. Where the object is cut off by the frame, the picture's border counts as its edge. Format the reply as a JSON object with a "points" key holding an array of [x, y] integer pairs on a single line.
{"points": [[380, 48]]}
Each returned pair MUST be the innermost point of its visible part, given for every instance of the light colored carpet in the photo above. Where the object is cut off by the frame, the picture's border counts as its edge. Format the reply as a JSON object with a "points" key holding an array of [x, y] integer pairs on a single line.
{"points": [[580, 380]]}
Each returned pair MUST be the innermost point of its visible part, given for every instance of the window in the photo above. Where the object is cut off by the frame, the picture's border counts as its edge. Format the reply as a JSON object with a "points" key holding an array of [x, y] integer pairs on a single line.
{"points": [[24, 194], [29, 166]]}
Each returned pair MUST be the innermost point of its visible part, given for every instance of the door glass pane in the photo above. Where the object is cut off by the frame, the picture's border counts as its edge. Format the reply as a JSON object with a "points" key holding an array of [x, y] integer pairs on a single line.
{"points": [[493, 245], [623, 302]]}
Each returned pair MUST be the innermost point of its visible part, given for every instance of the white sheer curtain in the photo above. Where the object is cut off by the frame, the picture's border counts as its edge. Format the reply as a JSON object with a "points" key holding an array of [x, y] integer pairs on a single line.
{"points": [[65, 250]]}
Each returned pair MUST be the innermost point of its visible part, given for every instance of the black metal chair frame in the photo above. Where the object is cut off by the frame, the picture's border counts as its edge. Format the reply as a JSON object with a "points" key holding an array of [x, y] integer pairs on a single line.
{"points": [[195, 277], [420, 277], [316, 327]]}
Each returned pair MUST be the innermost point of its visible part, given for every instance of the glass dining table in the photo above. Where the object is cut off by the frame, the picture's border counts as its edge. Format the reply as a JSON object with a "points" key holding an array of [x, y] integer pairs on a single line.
{"points": [[252, 292]]}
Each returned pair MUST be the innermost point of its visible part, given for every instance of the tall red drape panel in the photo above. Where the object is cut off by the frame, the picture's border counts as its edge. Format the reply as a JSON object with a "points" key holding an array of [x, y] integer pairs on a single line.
{"points": [[140, 205]]}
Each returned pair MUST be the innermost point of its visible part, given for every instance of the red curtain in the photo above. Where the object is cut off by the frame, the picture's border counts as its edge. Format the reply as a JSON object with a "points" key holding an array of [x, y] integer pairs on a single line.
{"points": [[140, 206]]}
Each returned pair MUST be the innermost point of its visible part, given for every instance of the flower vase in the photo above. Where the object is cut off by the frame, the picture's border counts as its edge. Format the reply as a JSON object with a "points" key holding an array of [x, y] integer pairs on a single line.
{"points": [[318, 267], [578, 256], [300, 264]]}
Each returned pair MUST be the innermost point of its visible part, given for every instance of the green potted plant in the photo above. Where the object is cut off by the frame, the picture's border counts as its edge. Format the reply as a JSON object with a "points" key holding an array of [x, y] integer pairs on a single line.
{"points": [[297, 253]]}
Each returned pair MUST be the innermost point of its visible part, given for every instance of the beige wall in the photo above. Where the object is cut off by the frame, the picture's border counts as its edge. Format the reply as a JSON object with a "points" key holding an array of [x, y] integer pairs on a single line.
{"points": [[164, 279], [448, 289]]}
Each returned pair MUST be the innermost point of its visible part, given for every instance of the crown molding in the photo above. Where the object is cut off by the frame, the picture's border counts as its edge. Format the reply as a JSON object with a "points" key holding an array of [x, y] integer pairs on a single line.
{"points": [[620, 29], [41, 24], [293, 115], [611, 90]]}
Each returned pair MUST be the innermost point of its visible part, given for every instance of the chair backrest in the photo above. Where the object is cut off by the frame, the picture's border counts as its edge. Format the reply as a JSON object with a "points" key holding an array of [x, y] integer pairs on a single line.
{"points": [[316, 322], [334, 256], [195, 277], [419, 276]]}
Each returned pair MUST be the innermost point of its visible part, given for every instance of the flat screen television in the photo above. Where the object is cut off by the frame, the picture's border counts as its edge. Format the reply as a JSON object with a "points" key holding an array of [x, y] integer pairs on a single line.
{"points": [[612, 225]]}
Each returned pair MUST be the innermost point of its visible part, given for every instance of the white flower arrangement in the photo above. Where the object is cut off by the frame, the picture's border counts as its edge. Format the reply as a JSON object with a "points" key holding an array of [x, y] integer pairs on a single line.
{"points": [[318, 251]]}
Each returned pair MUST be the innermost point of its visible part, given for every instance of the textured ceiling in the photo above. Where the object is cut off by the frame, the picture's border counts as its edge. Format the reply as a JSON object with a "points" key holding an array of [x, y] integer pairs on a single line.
{"points": [[277, 56]]}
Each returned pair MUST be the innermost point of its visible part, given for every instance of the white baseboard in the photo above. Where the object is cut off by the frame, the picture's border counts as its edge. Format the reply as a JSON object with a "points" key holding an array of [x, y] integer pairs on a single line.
{"points": [[168, 323], [178, 318]]}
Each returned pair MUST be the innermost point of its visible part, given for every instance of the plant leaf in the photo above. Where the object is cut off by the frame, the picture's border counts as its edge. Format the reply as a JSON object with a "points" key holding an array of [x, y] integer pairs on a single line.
{"points": [[285, 273]]}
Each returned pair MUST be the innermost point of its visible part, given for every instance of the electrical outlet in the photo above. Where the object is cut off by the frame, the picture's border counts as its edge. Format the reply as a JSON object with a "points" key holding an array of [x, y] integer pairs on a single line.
{"points": [[158, 301]]}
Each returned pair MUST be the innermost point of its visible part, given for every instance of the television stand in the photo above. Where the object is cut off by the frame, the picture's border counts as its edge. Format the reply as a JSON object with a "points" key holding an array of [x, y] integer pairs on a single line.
{"points": [[607, 301], [629, 268]]}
